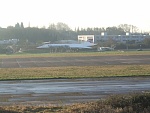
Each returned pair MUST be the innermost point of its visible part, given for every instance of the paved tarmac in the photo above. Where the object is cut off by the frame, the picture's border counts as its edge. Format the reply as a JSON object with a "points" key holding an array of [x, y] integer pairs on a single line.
{"points": [[74, 61], [67, 91]]}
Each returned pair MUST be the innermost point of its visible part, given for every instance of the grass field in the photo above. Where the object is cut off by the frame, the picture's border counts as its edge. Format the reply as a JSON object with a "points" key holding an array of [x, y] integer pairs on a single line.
{"points": [[74, 72], [24, 55]]}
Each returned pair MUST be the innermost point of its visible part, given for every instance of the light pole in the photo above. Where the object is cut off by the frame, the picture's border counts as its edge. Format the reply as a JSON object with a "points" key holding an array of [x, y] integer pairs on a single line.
{"points": [[127, 44]]}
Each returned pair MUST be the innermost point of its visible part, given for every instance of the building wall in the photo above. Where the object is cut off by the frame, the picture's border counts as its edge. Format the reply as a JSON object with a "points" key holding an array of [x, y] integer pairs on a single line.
{"points": [[118, 38], [89, 38], [10, 41]]}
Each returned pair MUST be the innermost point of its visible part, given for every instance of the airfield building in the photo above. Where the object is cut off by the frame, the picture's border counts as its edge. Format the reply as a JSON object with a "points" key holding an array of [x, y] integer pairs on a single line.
{"points": [[88, 38], [133, 38], [9, 41]]}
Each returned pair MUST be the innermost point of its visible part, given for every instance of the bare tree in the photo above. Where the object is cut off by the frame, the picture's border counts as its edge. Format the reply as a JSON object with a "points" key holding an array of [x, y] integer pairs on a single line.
{"points": [[129, 28], [125, 27]]}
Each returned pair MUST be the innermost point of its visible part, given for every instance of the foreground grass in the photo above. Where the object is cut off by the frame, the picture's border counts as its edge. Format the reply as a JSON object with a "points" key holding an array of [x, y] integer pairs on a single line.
{"points": [[129, 103], [74, 72]]}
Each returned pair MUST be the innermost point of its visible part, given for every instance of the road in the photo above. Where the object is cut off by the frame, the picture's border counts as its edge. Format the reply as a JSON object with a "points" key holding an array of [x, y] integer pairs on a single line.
{"points": [[67, 91]]}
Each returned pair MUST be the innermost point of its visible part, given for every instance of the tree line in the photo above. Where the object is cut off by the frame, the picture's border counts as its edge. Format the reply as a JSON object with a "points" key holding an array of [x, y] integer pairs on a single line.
{"points": [[59, 31]]}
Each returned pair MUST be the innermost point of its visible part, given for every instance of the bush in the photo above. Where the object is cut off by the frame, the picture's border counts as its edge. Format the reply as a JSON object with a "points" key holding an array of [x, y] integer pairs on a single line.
{"points": [[132, 102]]}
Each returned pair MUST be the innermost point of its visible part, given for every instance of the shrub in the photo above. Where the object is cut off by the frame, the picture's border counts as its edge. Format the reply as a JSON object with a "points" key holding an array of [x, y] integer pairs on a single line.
{"points": [[130, 102]]}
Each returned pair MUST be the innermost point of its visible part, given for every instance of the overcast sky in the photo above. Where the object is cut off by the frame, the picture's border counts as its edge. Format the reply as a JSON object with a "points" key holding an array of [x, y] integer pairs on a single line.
{"points": [[75, 13]]}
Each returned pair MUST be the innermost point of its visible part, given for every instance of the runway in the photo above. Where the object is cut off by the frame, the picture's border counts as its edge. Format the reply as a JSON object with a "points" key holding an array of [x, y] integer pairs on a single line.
{"points": [[74, 61], [68, 91]]}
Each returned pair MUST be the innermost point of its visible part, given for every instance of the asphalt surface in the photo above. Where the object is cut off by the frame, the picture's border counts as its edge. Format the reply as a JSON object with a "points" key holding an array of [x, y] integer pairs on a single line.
{"points": [[67, 91], [74, 61]]}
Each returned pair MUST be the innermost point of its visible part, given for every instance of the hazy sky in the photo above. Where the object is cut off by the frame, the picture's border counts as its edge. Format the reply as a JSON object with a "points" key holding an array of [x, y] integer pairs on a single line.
{"points": [[75, 13]]}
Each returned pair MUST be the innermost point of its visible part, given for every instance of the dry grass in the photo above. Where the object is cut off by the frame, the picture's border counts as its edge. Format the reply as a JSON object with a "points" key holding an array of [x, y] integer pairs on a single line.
{"points": [[29, 109], [74, 72]]}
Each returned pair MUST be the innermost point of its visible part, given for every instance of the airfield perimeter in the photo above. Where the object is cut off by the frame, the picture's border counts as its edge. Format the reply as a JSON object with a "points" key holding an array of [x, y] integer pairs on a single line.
{"points": [[30, 62], [20, 93]]}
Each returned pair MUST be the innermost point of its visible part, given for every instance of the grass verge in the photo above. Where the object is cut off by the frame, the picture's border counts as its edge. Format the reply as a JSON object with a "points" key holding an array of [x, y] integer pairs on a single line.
{"points": [[26, 55], [74, 72]]}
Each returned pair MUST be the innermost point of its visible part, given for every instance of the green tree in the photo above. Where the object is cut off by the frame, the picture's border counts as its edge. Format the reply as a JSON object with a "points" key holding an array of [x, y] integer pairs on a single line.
{"points": [[17, 25], [146, 42], [110, 42], [22, 26], [115, 31]]}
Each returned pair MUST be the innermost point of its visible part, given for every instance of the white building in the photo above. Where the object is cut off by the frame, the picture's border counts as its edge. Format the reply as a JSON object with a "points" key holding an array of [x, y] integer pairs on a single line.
{"points": [[9, 41], [118, 38], [88, 38]]}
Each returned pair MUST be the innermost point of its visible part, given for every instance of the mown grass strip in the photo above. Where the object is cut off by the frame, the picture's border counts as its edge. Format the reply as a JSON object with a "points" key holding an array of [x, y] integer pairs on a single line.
{"points": [[26, 55], [74, 72]]}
